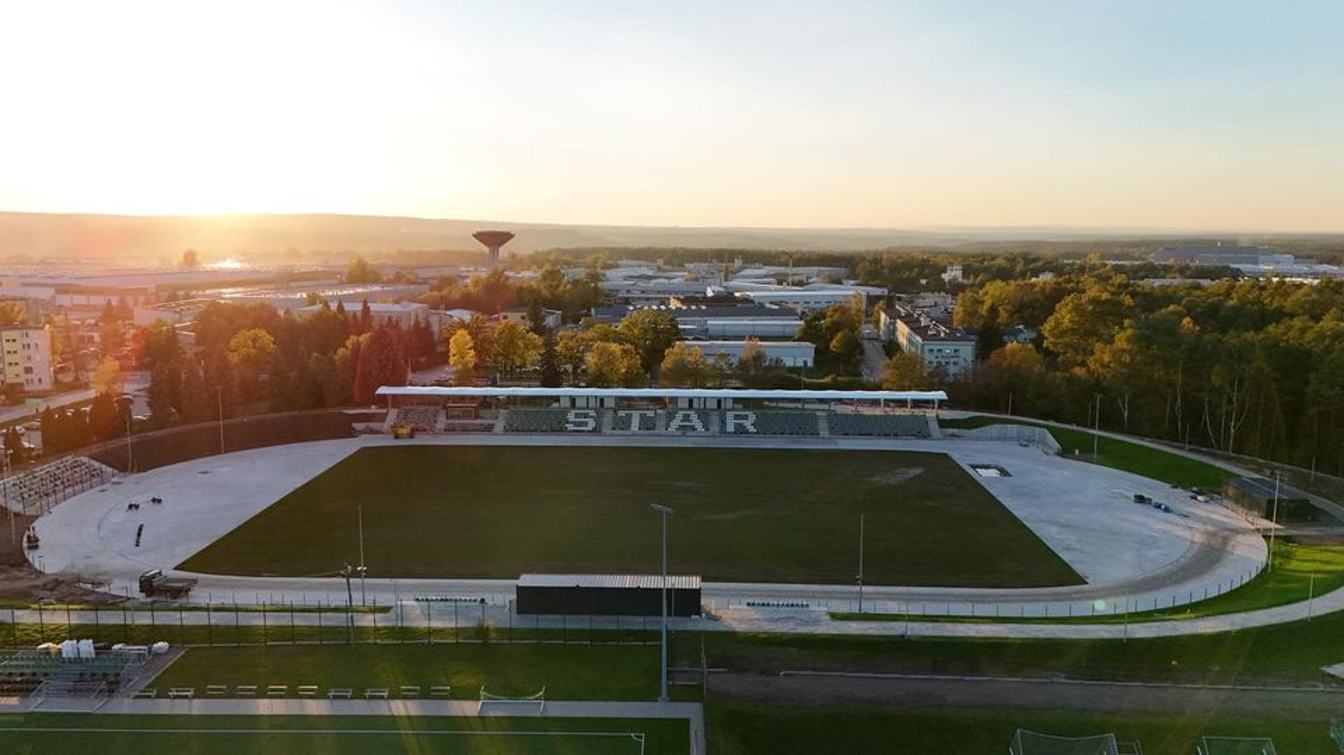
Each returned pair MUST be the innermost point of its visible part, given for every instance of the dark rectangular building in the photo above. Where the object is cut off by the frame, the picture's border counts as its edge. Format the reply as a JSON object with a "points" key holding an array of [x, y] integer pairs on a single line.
{"points": [[1256, 495], [606, 594]]}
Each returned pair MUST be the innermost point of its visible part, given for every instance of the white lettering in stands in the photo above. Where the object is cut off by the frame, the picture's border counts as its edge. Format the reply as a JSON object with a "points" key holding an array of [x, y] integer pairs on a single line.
{"points": [[581, 421], [746, 421], [685, 419]]}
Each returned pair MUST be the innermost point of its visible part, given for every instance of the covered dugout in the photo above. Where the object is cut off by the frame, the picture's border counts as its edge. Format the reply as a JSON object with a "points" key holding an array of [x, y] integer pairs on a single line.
{"points": [[606, 594]]}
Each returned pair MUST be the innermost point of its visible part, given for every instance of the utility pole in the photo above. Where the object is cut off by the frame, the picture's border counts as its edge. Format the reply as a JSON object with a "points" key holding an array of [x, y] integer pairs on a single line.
{"points": [[1096, 426], [130, 455], [13, 537], [1010, 403], [219, 400], [346, 571], [860, 562], [662, 687], [363, 596], [1274, 519]]}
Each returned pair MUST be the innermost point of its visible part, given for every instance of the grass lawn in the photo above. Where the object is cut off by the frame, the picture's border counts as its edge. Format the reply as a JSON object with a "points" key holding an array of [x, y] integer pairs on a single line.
{"points": [[337, 735], [568, 672], [1289, 653], [1299, 571], [1119, 454], [742, 515], [748, 729]]}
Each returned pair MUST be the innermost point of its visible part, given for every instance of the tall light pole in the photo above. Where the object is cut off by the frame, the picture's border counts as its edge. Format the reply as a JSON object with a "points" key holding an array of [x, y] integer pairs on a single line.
{"points": [[662, 687], [1274, 520], [363, 597], [13, 538], [1096, 427], [860, 562], [219, 402]]}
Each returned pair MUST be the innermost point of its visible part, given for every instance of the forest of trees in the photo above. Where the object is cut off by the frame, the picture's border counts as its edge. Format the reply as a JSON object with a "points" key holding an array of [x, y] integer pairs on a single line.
{"points": [[1245, 366], [1242, 365]]}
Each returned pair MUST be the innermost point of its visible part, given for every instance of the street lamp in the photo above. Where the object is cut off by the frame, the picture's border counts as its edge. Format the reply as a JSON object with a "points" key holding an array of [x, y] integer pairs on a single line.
{"points": [[13, 538], [219, 402], [662, 688], [348, 571]]}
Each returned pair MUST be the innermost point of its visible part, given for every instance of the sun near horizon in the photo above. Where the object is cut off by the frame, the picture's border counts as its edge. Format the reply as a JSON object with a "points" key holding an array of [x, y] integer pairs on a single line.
{"points": [[1191, 116]]}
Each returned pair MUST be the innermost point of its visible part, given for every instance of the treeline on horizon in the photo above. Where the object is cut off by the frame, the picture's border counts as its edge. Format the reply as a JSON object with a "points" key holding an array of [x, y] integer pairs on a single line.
{"points": [[1243, 365]]}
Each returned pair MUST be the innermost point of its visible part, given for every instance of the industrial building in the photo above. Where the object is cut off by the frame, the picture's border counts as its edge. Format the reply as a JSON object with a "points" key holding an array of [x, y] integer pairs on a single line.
{"points": [[787, 353]]}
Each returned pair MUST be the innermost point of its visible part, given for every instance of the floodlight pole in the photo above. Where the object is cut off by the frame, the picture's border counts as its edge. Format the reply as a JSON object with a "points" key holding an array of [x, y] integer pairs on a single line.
{"points": [[1274, 520], [860, 562], [349, 604], [219, 402], [662, 687], [1096, 427], [13, 538], [363, 597]]}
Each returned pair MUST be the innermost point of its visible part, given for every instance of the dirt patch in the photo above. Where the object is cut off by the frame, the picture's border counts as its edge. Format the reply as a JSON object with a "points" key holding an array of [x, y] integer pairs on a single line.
{"points": [[897, 476], [21, 582]]}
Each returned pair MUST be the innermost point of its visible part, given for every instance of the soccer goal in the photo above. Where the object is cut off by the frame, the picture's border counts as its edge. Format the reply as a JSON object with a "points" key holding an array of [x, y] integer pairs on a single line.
{"points": [[539, 700], [1236, 746], [1337, 733], [1034, 743]]}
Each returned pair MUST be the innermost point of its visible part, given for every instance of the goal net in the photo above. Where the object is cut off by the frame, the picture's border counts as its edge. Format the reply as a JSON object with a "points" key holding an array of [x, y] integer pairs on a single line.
{"points": [[539, 700], [1034, 743], [1337, 732], [1236, 746]]}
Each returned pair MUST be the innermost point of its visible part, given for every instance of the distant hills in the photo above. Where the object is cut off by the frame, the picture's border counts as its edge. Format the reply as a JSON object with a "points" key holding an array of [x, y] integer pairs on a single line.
{"points": [[124, 238]]}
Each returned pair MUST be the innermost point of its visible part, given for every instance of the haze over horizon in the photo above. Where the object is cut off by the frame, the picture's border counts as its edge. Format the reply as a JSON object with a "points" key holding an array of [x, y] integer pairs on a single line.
{"points": [[1184, 117]]}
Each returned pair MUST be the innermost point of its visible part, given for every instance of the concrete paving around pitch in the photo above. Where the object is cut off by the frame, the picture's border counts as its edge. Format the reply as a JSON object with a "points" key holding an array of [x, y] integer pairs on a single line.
{"points": [[1133, 557]]}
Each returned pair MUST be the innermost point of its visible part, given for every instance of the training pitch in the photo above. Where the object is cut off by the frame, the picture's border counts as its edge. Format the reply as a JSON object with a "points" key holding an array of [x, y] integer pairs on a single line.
{"points": [[208, 735], [749, 515]]}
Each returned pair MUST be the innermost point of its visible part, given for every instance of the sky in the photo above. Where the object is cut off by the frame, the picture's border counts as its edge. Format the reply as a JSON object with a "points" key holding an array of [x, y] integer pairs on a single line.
{"points": [[1195, 115]]}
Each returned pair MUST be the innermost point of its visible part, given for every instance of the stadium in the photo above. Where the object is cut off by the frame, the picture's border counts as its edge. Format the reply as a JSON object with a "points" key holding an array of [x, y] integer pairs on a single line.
{"points": [[788, 504]]}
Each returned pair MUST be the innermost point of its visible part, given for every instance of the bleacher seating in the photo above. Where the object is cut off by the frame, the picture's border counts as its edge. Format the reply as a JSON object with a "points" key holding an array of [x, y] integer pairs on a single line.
{"points": [[785, 423], [421, 418], [22, 672], [536, 420], [885, 425], [39, 489], [708, 419]]}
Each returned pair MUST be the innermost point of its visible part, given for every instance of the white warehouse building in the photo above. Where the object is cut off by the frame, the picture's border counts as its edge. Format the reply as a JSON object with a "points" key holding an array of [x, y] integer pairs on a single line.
{"points": [[789, 353]]}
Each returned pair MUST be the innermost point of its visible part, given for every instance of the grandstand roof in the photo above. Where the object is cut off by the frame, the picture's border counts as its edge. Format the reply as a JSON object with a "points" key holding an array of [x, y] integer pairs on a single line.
{"points": [[783, 395]]}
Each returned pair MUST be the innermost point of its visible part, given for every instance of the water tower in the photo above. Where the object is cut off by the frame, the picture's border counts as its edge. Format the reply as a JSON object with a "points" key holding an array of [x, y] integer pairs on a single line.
{"points": [[493, 240]]}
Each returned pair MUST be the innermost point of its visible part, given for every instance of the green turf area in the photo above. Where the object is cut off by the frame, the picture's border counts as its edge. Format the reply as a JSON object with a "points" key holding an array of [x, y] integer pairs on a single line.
{"points": [[1285, 653], [742, 515], [336, 735], [747, 729], [568, 672], [1299, 571], [1119, 454]]}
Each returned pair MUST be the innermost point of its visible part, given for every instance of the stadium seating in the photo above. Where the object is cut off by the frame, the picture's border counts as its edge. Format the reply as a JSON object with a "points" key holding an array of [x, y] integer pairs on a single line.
{"points": [[23, 671], [885, 425], [708, 419], [536, 420], [39, 489], [421, 418], [786, 423]]}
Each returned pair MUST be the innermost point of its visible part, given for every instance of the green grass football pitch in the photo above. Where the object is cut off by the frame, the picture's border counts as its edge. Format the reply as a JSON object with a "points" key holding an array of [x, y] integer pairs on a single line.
{"points": [[753, 515], [337, 735]]}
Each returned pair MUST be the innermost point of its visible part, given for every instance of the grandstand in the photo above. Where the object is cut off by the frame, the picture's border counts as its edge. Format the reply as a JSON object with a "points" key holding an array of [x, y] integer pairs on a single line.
{"points": [[34, 673], [893, 414], [421, 418], [884, 425], [38, 490]]}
